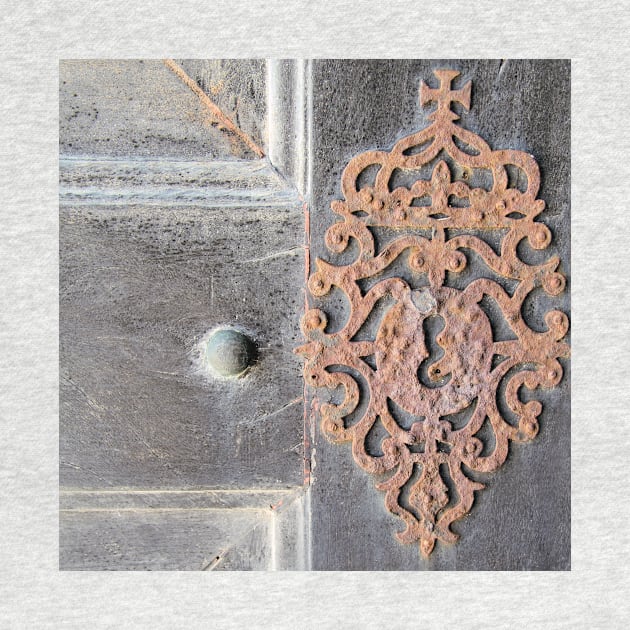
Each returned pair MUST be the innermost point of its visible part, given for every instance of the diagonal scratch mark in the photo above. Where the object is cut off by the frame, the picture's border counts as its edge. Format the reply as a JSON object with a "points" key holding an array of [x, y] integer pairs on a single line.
{"points": [[218, 559], [266, 416], [286, 252], [86, 470], [266, 519], [212, 564], [216, 111]]}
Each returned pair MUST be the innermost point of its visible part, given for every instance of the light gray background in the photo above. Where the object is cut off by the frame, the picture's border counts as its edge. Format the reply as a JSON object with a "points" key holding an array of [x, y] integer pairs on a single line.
{"points": [[34, 594]]}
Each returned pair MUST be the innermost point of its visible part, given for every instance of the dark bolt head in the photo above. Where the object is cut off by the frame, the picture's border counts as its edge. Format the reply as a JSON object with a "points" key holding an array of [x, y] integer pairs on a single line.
{"points": [[230, 352]]}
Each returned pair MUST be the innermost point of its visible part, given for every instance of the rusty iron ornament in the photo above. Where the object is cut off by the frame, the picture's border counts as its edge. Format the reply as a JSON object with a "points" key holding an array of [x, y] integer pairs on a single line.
{"points": [[467, 375]]}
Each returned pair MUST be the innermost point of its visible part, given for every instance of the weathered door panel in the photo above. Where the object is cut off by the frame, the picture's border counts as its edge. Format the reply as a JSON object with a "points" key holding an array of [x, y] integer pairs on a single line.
{"points": [[169, 227], [522, 519], [171, 224], [142, 286]]}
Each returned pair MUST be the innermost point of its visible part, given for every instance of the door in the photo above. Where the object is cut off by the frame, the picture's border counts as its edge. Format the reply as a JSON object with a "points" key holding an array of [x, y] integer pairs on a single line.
{"points": [[173, 225], [192, 195]]}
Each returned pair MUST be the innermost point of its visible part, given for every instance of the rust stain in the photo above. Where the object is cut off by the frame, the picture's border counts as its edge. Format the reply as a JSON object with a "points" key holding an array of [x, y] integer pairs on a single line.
{"points": [[218, 87], [307, 417], [466, 378], [277, 506], [221, 117]]}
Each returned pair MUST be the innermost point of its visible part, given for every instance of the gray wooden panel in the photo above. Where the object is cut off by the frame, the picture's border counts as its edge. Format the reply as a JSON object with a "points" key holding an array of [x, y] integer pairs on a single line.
{"points": [[291, 534], [107, 499], [238, 87], [140, 285], [288, 118], [154, 539], [165, 233], [522, 519], [211, 530], [134, 107]]}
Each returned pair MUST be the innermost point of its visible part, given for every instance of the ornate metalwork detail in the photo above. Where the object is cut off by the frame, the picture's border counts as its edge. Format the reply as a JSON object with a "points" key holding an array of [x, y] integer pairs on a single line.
{"points": [[434, 406]]}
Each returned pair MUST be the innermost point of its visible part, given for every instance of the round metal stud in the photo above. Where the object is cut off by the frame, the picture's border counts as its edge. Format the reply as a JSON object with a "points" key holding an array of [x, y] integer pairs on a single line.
{"points": [[229, 352]]}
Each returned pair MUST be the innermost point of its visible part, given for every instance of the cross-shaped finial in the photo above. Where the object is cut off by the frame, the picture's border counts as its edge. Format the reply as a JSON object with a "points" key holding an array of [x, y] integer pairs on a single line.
{"points": [[444, 96]]}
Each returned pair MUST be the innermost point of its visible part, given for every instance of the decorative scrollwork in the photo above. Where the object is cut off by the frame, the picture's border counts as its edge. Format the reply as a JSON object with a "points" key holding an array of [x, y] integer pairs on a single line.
{"points": [[397, 366]]}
